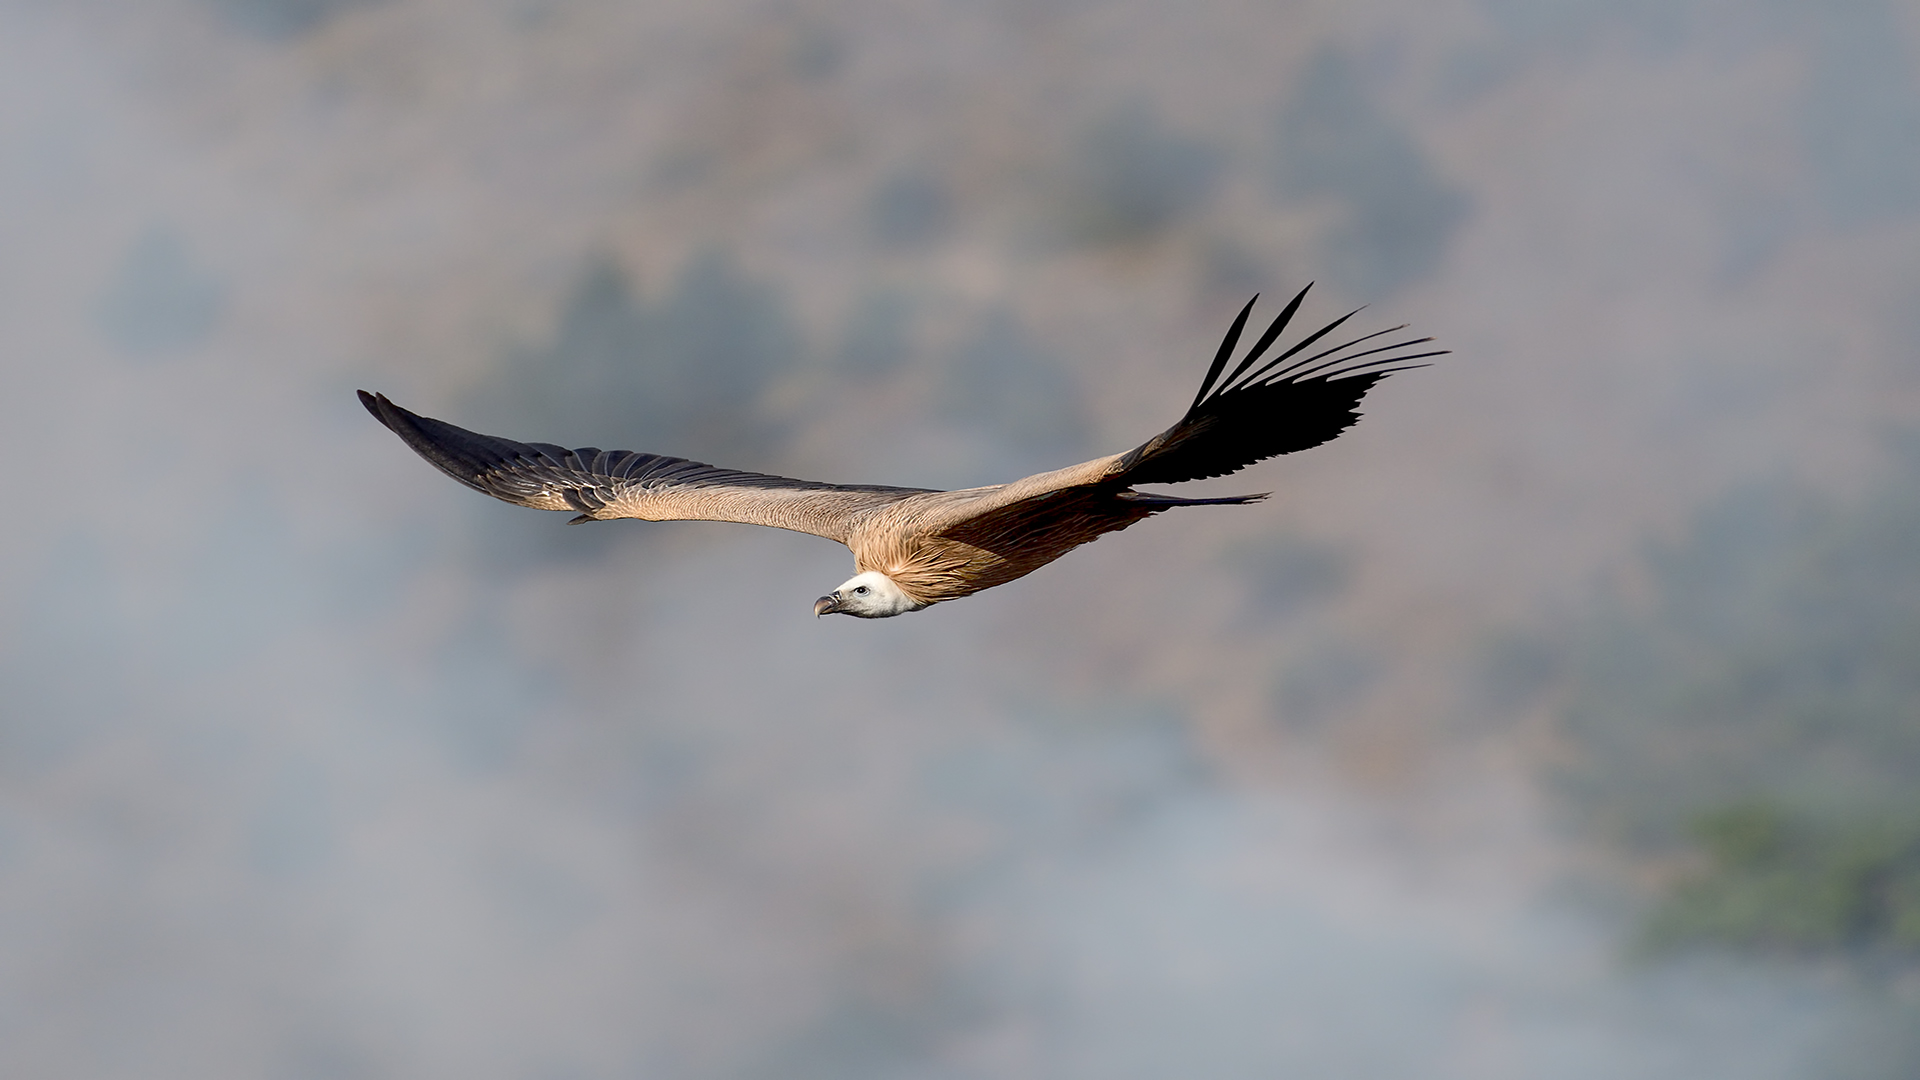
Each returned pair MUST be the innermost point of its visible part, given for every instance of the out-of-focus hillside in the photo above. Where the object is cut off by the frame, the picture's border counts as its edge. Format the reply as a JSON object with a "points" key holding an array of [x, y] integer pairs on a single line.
{"points": [[1762, 690], [313, 764]]}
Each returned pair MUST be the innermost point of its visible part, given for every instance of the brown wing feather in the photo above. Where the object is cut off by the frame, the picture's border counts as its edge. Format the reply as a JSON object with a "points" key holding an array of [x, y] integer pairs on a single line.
{"points": [[996, 546], [989, 547], [604, 484]]}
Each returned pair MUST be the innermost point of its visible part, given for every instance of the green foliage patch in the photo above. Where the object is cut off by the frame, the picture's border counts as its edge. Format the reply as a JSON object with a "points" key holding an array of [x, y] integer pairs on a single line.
{"points": [[1772, 881], [1753, 709]]}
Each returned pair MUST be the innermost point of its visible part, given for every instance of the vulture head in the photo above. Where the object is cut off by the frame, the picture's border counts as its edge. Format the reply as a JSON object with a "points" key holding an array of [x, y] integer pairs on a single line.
{"points": [[871, 595]]}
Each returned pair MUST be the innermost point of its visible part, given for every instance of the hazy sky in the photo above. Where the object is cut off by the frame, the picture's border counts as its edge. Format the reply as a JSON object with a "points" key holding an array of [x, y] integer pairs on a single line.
{"points": [[315, 765]]}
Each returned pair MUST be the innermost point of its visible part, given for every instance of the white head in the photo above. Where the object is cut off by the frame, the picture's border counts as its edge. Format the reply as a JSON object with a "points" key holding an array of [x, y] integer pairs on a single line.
{"points": [[871, 595]]}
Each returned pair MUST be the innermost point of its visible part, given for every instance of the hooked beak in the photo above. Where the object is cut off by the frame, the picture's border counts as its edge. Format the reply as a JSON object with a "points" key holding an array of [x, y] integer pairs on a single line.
{"points": [[826, 605]]}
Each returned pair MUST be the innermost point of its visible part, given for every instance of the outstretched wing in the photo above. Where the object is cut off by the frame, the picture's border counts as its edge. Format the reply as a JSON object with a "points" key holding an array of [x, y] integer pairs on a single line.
{"points": [[1292, 402], [1284, 405], [603, 484]]}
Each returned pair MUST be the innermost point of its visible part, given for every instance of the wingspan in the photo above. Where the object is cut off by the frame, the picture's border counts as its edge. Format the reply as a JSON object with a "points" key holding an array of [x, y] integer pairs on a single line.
{"points": [[1277, 408], [603, 484]]}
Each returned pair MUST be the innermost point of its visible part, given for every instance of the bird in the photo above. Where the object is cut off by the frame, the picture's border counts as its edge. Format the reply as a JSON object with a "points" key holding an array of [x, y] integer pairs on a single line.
{"points": [[917, 547]]}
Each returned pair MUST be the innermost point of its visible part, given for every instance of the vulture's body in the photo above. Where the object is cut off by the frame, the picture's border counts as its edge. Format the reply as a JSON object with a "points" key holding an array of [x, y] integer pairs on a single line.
{"points": [[915, 547]]}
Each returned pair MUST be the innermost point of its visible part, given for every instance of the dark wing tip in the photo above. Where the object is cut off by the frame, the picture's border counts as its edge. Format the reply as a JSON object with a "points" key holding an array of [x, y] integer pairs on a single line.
{"points": [[1226, 350], [466, 456], [382, 409], [1285, 404]]}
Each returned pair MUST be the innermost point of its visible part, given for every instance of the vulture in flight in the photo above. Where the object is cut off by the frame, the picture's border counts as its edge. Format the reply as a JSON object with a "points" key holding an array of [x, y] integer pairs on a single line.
{"points": [[915, 547]]}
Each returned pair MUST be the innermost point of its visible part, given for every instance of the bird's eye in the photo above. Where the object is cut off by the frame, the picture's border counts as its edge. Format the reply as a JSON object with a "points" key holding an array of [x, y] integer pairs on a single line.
{"points": [[860, 590]]}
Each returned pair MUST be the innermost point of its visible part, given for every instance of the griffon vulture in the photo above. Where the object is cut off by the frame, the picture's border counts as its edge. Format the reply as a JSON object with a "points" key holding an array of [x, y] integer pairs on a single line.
{"points": [[914, 547]]}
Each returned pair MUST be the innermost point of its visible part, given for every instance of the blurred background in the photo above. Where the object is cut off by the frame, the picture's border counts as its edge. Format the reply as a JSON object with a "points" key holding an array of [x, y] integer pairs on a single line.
{"points": [[1561, 720]]}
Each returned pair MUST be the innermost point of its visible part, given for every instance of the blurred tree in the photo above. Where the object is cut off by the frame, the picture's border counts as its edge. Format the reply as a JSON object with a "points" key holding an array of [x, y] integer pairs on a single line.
{"points": [[1761, 711], [160, 301], [1399, 213], [878, 336], [910, 209], [279, 20], [1860, 117], [1003, 385], [686, 375], [1775, 881], [1285, 574], [1133, 177]]}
